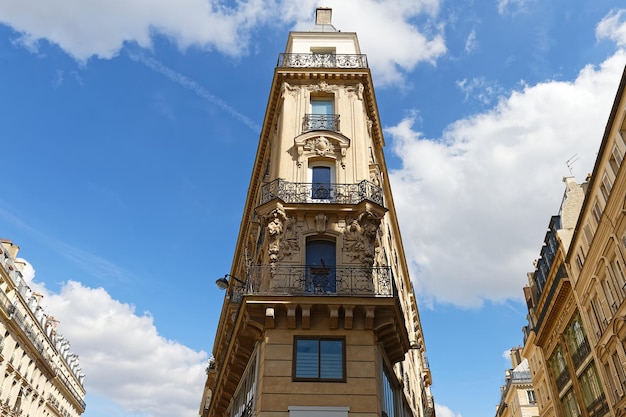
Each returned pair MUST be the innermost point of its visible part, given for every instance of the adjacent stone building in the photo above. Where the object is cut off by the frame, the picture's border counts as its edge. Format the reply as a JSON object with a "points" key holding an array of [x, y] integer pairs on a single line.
{"points": [[517, 395], [320, 317], [41, 377], [576, 296]]}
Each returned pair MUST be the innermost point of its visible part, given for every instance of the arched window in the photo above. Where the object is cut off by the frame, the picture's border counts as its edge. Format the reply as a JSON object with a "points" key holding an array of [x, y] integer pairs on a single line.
{"points": [[320, 266]]}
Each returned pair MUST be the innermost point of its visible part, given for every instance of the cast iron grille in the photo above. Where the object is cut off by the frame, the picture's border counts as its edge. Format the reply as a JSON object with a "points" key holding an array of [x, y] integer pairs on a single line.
{"points": [[319, 280], [581, 353], [562, 379], [327, 60], [320, 122], [301, 192]]}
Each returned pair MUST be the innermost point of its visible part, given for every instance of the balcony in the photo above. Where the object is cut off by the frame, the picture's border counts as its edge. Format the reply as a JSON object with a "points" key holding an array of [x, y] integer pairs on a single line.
{"points": [[68, 386], [313, 280], [581, 353], [320, 122], [562, 379], [321, 60], [598, 407], [318, 193]]}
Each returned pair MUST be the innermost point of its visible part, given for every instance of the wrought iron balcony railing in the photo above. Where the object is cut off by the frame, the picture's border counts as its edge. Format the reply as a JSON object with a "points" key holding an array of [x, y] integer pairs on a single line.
{"points": [[581, 353], [320, 122], [77, 397], [562, 379], [311, 280], [321, 60], [300, 192]]}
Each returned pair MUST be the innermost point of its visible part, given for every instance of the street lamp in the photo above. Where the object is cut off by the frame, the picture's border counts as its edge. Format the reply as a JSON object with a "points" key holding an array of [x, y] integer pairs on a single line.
{"points": [[222, 283]]}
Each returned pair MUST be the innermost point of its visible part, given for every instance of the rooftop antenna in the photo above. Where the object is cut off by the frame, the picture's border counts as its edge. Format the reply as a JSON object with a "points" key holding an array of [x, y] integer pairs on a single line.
{"points": [[570, 163]]}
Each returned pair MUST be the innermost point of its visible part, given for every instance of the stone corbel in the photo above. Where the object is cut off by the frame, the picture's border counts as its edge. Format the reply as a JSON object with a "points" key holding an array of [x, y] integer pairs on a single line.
{"points": [[369, 317], [306, 316], [291, 316], [270, 317], [349, 315], [334, 316]]}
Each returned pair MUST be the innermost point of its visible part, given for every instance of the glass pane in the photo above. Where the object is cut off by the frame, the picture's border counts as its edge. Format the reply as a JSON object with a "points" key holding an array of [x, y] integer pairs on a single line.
{"points": [[322, 107], [307, 356], [331, 359], [321, 183], [320, 260]]}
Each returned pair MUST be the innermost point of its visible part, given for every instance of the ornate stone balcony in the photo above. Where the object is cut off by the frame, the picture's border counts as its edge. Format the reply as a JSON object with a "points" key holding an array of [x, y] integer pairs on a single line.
{"points": [[300, 192], [321, 60], [313, 280], [320, 122]]}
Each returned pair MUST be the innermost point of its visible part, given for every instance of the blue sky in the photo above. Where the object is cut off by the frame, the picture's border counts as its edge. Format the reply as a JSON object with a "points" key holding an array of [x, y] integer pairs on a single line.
{"points": [[128, 132]]}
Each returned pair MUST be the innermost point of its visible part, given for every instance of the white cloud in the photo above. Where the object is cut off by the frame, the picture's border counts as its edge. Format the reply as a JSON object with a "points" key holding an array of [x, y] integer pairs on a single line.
{"points": [[380, 24], [613, 27], [480, 89], [474, 204], [125, 359], [512, 6], [443, 411], [507, 354], [471, 43], [100, 28]]}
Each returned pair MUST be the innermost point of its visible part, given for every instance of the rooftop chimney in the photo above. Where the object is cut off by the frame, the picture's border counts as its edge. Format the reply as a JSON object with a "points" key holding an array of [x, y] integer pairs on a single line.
{"points": [[323, 16]]}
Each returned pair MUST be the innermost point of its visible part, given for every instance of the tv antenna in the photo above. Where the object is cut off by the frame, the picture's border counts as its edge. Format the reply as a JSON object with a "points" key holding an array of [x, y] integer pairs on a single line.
{"points": [[570, 162]]}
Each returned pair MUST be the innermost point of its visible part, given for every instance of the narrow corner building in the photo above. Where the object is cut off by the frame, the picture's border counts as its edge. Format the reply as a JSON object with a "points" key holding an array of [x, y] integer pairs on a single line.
{"points": [[320, 317]]}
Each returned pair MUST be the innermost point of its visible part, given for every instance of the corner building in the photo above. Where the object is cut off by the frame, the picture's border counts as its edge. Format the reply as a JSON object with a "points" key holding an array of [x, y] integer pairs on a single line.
{"points": [[320, 317]]}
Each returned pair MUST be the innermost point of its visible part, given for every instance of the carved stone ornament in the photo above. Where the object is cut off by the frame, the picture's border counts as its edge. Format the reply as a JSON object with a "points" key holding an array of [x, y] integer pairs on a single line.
{"points": [[312, 144], [356, 90], [360, 238], [320, 222], [320, 145], [288, 89], [275, 222], [289, 244], [323, 87]]}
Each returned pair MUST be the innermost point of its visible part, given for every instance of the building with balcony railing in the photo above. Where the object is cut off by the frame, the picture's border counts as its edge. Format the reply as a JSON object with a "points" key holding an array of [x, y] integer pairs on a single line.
{"points": [[42, 377], [517, 395], [319, 317], [576, 332], [564, 372], [596, 263]]}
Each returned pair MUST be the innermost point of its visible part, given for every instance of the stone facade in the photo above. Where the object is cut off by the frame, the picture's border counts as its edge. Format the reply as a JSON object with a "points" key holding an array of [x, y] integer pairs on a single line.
{"points": [[576, 297], [319, 262], [41, 376]]}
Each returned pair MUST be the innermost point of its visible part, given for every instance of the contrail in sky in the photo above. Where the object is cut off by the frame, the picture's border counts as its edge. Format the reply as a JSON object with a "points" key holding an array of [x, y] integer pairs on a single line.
{"points": [[189, 84]]}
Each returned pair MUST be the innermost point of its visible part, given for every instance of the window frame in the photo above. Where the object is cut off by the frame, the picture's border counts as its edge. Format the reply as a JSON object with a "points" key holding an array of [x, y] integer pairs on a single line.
{"points": [[319, 340]]}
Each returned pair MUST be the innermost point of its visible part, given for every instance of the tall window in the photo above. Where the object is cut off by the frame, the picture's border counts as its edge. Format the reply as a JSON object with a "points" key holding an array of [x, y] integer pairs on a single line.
{"points": [[322, 110], [531, 396], [590, 387], [320, 266], [321, 180], [570, 406], [244, 398], [391, 394], [319, 359]]}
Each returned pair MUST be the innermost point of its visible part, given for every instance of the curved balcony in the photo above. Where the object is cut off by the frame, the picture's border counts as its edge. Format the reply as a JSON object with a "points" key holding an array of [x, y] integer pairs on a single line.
{"points": [[321, 60], [321, 193], [312, 280], [320, 122]]}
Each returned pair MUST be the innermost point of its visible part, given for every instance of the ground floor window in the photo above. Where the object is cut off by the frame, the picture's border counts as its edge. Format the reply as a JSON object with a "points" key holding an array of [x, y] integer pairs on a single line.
{"points": [[319, 359]]}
